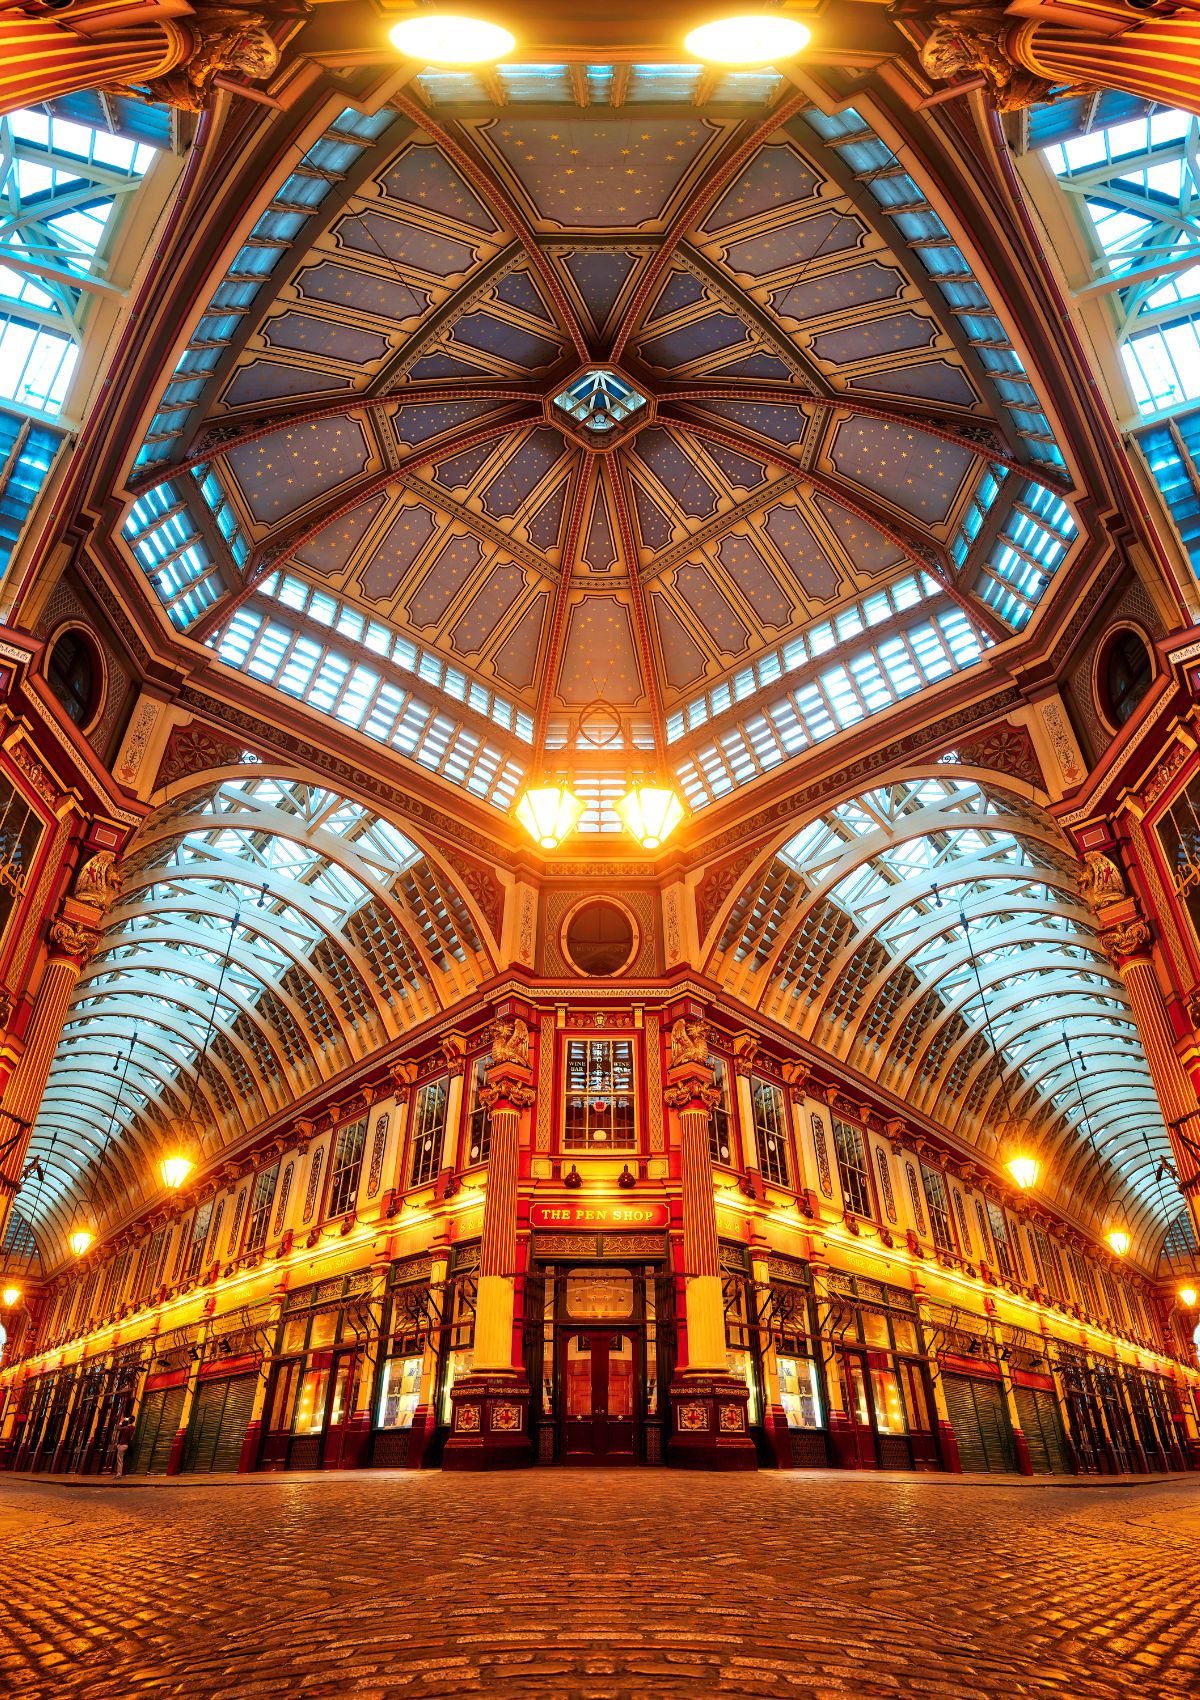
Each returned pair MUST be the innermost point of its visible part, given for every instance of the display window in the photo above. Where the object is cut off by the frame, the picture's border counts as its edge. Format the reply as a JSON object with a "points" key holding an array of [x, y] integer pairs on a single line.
{"points": [[800, 1392], [599, 1113], [399, 1393]]}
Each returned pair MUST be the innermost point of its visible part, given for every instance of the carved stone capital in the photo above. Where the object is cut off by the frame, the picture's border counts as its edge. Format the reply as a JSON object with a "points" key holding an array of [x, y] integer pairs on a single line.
{"points": [[403, 1076], [518, 1094], [1126, 940], [68, 938], [686, 1094]]}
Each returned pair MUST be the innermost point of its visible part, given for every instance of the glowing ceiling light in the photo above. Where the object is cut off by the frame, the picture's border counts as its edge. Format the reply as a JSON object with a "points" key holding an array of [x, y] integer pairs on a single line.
{"points": [[1118, 1239], [175, 1169], [651, 813], [81, 1238], [1187, 1296], [750, 38], [447, 38], [548, 813], [1024, 1170], [11, 1297]]}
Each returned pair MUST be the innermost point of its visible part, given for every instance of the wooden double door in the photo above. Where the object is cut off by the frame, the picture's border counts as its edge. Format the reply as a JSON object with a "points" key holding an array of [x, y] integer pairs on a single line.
{"points": [[601, 1368]]}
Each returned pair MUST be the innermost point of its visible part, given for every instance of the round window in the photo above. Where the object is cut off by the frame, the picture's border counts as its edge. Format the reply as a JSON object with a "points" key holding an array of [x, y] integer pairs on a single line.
{"points": [[72, 673], [1126, 675], [599, 938]]}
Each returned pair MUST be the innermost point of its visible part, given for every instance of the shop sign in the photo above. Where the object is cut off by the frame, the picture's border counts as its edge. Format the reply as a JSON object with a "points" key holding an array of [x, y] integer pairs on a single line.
{"points": [[593, 1216]]}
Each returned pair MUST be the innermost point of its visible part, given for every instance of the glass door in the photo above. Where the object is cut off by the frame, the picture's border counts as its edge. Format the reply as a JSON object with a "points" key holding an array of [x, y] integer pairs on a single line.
{"points": [[343, 1385], [852, 1374], [284, 1383]]}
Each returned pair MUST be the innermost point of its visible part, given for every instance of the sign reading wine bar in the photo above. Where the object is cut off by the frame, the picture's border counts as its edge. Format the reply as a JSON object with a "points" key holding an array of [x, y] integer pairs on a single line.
{"points": [[587, 1215]]}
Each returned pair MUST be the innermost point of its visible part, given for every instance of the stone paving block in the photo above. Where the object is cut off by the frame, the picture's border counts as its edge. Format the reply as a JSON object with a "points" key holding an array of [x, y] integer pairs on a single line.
{"points": [[598, 1586]]}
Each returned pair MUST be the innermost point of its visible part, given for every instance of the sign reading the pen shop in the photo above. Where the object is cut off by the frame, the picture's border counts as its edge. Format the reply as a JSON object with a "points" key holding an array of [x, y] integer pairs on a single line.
{"points": [[593, 1216]]}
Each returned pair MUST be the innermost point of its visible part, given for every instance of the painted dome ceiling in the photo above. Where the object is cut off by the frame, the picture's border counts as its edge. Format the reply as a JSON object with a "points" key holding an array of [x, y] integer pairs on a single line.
{"points": [[380, 479]]}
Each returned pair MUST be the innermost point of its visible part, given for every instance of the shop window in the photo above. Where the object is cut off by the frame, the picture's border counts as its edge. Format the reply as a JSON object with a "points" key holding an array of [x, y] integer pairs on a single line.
{"points": [[939, 1208], [429, 1130], [999, 1229], [346, 1167], [479, 1117], [599, 1096], [741, 1357], [853, 1172], [399, 1393], [720, 1122], [770, 1134], [260, 1207], [1126, 673], [310, 1406], [73, 672]]}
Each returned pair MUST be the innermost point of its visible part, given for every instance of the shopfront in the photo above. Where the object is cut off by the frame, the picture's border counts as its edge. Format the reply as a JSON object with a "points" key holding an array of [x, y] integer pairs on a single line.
{"points": [[883, 1378], [409, 1353], [599, 1341], [321, 1353], [788, 1320]]}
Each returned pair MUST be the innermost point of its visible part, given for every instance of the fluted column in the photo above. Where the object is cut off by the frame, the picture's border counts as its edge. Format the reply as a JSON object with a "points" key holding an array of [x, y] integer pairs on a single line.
{"points": [[709, 1420], [1127, 945], [71, 944], [691, 1094], [507, 1094], [490, 1416]]}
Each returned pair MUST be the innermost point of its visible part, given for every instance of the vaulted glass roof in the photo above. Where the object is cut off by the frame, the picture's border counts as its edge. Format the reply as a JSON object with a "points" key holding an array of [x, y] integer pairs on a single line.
{"points": [[361, 488], [853, 936], [341, 934]]}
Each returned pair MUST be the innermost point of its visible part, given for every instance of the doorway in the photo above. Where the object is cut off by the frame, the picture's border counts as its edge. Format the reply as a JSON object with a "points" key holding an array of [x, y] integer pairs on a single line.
{"points": [[602, 1372]]}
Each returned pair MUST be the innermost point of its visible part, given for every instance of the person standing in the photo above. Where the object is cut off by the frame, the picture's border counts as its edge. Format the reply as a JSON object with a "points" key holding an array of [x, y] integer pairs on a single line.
{"points": [[124, 1442]]}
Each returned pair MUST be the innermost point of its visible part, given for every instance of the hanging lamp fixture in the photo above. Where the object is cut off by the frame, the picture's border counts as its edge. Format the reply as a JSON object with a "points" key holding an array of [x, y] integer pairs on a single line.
{"points": [[1021, 1164], [549, 811], [744, 40], [650, 811], [183, 1153], [1116, 1234]]}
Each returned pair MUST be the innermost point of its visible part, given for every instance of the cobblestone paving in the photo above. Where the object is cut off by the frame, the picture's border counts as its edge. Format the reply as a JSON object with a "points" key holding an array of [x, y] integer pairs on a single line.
{"points": [[598, 1586]]}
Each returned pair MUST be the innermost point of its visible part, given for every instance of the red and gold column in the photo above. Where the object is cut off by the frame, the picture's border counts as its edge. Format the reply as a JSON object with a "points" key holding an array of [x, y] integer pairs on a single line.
{"points": [[72, 939], [490, 1422], [1127, 941], [710, 1428]]}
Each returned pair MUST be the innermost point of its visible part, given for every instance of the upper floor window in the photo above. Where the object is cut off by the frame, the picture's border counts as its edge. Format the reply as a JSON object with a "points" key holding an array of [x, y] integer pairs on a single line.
{"points": [[770, 1134], [346, 1167], [479, 1117], [1000, 1239], [429, 1131], [939, 1208], [853, 1169], [195, 1255], [261, 1200], [599, 1096], [720, 1122]]}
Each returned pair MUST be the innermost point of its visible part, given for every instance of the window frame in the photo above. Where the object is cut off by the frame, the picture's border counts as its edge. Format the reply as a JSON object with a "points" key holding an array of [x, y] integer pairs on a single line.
{"points": [[423, 1172], [630, 1141], [947, 1240], [841, 1125], [477, 1119], [346, 1161], [723, 1114], [777, 1172]]}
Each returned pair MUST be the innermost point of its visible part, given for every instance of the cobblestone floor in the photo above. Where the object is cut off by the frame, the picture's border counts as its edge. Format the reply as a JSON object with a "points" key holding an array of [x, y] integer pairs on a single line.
{"points": [[598, 1586]]}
